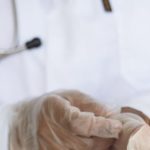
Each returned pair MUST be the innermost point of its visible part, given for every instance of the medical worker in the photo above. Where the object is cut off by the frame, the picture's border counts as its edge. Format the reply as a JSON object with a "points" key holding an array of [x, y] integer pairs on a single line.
{"points": [[101, 47]]}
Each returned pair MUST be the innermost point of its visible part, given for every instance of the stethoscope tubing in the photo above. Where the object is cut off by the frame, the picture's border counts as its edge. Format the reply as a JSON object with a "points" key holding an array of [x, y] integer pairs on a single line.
{"points": [[34, 43]]}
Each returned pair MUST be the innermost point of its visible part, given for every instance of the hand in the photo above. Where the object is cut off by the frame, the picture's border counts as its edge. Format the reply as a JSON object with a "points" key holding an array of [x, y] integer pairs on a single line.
{"points": [[75, 118], [67, 120]]}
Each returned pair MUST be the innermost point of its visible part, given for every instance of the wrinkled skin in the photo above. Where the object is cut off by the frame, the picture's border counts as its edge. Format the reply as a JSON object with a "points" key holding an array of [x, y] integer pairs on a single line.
{"points": [[136, 130], [132, 120], [71, 120], [84, 118]]}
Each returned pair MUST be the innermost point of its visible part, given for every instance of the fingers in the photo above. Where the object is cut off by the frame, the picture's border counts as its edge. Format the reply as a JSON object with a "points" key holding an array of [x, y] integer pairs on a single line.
{"points": [[84, 102], [87, 124], [81, 123], [106, 128]]}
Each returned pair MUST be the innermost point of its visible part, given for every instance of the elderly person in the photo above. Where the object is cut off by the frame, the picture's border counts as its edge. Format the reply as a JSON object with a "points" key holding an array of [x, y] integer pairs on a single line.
{"points": [[71, 120]]}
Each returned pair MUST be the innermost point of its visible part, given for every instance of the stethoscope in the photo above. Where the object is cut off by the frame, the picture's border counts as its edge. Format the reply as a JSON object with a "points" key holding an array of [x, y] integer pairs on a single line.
{"points": [[35, 42], [31, 44]]}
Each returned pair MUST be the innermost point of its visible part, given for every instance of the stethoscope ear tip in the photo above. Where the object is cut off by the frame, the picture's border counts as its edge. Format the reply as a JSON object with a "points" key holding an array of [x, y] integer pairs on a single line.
{"points": [[34, 43]]}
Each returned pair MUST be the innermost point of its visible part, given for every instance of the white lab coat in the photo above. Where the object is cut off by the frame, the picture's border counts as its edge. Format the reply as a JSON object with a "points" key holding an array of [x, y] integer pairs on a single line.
{"points": [[84, 47]]}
